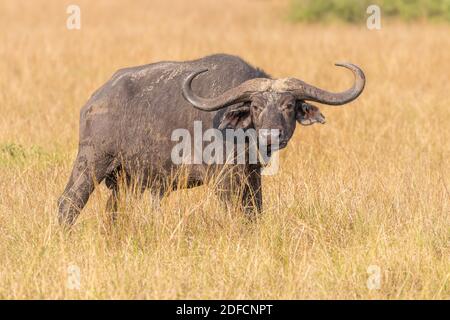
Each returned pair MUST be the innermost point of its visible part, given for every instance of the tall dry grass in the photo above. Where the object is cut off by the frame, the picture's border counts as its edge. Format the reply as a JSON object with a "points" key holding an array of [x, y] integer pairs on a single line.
{"points": [[371, 187]]}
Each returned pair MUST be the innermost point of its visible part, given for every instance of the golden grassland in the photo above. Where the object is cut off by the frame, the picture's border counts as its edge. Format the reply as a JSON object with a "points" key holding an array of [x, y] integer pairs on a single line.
{"points": [[371, 187]]}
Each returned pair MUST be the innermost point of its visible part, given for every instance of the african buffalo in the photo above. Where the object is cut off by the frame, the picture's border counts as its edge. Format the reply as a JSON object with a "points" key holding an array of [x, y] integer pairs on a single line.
{"points": [[126, 125]]}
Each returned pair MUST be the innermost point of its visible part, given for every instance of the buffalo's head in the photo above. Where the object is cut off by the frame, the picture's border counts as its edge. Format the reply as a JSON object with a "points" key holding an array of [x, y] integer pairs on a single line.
{"points": [[263, 103]]}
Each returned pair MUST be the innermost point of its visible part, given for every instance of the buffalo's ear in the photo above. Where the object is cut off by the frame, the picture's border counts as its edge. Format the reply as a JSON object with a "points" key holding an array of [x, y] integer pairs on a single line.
{"points": [[301, 108], [237, 118], [302, 113]]}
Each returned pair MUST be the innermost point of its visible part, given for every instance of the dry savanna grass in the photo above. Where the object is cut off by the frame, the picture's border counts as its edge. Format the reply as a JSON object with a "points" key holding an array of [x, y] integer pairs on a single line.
{"points": [[369, 188]]}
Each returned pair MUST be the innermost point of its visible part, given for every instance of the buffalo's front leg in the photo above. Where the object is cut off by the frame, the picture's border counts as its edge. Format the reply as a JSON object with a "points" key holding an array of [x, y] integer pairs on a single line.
{"points": [[252, 193], [242, 187]]}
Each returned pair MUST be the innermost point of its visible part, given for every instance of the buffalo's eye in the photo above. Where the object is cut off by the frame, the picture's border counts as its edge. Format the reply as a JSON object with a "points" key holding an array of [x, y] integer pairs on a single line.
{"points": [[257, 107], [288, 106]]}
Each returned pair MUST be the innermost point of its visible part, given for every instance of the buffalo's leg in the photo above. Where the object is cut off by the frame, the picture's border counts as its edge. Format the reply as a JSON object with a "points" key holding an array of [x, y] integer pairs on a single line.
{"points": [[121, 183], [243, 187], [112, 204], [155, 199], [252, 194], [112, 182], [80, 186]]}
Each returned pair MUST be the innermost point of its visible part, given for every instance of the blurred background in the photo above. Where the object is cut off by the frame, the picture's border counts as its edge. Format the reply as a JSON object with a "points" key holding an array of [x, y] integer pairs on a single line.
{"points": [[354, 10]]}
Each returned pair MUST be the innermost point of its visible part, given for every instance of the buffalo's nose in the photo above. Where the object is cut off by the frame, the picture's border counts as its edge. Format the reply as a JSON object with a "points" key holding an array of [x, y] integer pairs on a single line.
{"points": [[322, 119], [271, 136]]}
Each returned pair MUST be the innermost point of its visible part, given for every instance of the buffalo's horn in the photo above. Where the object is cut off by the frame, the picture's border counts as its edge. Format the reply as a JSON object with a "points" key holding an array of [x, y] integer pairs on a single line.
{"points": [[240, 93], [306, 91]]}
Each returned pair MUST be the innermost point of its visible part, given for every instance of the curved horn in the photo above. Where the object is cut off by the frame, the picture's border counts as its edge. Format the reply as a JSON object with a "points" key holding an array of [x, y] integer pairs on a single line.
{"points": [[306, 91], [241, 93]]}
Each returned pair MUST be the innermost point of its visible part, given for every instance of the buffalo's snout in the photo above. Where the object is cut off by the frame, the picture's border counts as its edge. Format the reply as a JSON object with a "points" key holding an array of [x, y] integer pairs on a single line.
{"points": [[273, 137], [321, 118]]}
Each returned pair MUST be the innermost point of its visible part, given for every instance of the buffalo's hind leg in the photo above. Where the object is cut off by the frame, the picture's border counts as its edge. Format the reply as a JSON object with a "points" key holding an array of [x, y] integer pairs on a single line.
{"points": [[112, 182], [85, 175], [112, 204], [117, 182]]}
